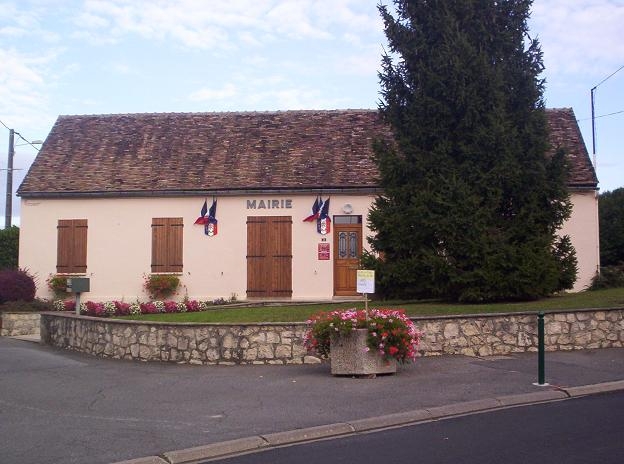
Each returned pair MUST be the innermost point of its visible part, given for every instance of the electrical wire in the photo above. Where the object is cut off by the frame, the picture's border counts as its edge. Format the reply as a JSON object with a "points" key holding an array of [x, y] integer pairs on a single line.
{"points": [[20, 136]]}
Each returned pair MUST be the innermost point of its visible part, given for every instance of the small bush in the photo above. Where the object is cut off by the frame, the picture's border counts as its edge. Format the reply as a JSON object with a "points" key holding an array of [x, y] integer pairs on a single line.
{"points": [[16, 285], [609, 277], [9, 247], [35, 306]]}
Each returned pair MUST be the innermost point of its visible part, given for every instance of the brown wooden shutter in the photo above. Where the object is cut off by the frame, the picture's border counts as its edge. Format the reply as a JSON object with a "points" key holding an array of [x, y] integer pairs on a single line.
{"points": [[257, 284], [71, 252], [281, 256], [174, 245], [167, 244]]}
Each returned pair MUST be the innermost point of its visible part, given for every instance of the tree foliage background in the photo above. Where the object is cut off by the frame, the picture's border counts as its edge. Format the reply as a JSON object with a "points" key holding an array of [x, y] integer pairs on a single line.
{"points": [[9, 248], [471, 201], [611, 214]]}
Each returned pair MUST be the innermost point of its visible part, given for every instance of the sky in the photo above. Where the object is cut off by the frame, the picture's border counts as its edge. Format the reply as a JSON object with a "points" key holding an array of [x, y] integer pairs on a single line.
{"points": [[68, 57]]}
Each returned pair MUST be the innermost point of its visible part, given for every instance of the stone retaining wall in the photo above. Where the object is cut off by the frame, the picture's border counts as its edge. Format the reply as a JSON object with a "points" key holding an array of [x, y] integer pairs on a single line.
{"points": [[15, 324], [274, 343], [501, 334], [183, 343]]}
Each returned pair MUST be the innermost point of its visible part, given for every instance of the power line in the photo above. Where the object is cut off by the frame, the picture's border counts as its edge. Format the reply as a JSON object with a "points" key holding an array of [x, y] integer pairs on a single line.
{"points": [[19, 135], [609, 76], [601, 116], [593, 117]]}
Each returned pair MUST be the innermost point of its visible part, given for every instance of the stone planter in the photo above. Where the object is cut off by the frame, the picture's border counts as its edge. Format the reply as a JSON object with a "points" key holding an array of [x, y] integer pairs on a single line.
{"points": [[348, 356]]}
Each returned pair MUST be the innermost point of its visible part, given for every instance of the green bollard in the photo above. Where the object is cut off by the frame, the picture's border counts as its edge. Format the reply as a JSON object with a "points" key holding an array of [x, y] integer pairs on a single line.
{"points": [[541, 377]]}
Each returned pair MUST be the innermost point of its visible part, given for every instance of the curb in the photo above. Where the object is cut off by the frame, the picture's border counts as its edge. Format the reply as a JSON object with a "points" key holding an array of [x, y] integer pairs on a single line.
{"points": [[273, 440]]}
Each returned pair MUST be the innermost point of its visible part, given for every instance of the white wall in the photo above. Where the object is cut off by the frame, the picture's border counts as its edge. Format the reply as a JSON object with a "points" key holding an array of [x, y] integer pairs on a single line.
{"points": [[582, 227], [119, 243]]}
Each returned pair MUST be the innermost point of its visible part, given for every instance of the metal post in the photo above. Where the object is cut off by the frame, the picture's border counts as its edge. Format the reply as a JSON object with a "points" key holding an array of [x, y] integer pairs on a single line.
{"points": [[8, 212], [540, 351], [77, 303]]}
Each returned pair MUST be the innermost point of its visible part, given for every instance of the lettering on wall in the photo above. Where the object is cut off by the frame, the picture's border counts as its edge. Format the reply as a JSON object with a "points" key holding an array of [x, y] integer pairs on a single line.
{"points": [[284, 203]]}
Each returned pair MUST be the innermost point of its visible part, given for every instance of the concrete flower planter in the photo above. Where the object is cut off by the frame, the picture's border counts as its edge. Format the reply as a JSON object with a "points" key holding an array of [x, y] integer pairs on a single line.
{"points": [[349, 356]]}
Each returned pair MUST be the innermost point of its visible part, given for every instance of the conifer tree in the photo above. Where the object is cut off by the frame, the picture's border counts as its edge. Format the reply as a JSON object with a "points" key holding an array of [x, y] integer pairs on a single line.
{"points": [[471, 201]]}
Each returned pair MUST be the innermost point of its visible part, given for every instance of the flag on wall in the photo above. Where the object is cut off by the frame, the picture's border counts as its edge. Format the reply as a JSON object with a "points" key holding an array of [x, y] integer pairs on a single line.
{"points": [[316, 207], [202, 215], [210, 228], [208, 218], [323, 223]]}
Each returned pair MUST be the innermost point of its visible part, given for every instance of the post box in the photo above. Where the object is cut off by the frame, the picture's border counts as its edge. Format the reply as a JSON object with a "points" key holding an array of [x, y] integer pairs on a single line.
{"points": [[77, 284]]}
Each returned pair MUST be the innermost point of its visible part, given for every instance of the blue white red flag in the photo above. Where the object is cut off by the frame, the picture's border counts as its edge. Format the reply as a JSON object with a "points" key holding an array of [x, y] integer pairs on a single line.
{"points": [[202, 215], [323, 224], [316, 207], [210, 227]]}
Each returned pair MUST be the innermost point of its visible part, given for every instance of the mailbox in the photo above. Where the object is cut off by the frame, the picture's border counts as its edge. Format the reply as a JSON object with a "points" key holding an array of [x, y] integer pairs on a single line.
{"points": [[77, 284]]}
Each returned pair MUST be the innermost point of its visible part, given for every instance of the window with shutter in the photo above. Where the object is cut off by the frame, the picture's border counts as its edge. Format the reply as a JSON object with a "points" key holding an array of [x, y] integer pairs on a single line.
{"points": [[167, 244], [71, 252]]}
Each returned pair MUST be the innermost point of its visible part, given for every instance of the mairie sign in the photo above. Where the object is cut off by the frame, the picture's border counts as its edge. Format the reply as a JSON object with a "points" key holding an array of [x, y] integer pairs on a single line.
{"points": [[284, 203]]}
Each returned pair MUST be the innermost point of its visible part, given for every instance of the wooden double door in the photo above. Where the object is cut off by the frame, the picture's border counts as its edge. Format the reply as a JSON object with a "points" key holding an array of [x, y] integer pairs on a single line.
{"points": [[269, 256]]}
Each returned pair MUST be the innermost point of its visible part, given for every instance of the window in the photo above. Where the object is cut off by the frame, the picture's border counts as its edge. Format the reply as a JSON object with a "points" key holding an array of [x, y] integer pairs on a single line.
{"points": [[71, 252], [167, 244], [348, 219]]}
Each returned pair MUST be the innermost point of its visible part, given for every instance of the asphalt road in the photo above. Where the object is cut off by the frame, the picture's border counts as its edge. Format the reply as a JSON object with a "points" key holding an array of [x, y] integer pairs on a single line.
{"points": [[64, 407], [583, 430]]}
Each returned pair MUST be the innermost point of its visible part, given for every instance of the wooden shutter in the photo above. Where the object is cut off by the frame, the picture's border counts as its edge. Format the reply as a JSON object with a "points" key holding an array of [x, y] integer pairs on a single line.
{"points": [[257, 270], [71, 251], [167, 244], [269, 256]]}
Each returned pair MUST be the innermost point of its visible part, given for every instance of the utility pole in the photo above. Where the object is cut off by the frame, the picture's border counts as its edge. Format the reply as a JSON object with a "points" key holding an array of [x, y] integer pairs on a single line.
{"points": [[8, 212]]}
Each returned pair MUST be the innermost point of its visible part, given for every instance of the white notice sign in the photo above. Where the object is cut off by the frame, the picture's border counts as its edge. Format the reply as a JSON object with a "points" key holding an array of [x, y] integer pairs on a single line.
{"points": [[365, 281]]}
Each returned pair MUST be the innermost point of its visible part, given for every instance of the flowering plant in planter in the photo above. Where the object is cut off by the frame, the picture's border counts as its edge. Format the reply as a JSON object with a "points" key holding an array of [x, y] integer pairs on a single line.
{"points": [[160, 286], [57, 285], [390, 331]]}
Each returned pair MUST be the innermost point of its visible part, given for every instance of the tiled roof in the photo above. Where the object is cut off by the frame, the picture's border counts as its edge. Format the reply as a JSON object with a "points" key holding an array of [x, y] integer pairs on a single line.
{"points": [[187, 153], [565, 133]]}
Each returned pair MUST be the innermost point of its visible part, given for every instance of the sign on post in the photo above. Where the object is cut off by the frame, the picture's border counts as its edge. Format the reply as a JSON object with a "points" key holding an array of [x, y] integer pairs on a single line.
{"points": [[365, 284], [365, 281]]}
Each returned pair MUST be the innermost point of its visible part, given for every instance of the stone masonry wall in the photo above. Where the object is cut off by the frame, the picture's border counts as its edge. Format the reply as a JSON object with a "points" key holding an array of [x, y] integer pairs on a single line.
{"points": [[274, 343], [15, 324], [501, 334], [182, 343]]}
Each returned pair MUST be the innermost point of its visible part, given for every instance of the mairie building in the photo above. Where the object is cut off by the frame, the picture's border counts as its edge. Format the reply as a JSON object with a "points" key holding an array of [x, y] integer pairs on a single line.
{"points": [[256, 205]]}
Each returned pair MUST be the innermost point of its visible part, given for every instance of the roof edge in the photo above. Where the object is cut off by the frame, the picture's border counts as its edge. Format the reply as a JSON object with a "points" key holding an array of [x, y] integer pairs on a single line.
{"points": [[194, 193]]}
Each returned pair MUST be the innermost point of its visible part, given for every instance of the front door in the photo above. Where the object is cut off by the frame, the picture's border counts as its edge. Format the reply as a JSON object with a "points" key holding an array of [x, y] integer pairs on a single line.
{"points": [[269, 256], [347, 252]]}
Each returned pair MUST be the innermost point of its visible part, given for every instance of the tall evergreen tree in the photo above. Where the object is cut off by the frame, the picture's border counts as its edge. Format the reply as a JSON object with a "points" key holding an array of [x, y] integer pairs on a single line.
{"points": [[471, 201]]}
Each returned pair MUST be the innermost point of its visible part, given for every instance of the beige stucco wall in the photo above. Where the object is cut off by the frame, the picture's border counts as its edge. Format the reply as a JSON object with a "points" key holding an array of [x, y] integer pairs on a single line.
{"points": [[119, 243], [582, 227]]}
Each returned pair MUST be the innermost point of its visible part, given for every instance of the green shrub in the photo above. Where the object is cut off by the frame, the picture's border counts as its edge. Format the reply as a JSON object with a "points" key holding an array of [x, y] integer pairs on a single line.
{"points": [[16, 284], [31, 306], [9, 248], [609, 277]]}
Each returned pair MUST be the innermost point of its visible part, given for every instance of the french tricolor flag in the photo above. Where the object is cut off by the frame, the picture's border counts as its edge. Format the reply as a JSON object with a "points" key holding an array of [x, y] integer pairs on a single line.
{"points": [[316, 208], [323, 224]]}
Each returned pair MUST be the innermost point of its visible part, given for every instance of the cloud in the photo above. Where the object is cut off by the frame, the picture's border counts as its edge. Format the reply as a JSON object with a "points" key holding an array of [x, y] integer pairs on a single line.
{"points": [[583, 37], [205, 94], [222, 25], [23, 96]]}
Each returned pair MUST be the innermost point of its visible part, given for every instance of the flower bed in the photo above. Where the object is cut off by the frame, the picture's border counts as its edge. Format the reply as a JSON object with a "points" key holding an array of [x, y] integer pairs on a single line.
{"points": [[120, 308], [390, 332]]}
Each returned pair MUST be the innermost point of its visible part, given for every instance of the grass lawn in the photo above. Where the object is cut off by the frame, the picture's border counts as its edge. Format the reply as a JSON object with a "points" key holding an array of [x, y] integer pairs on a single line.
{"points": [[609, 298]]}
